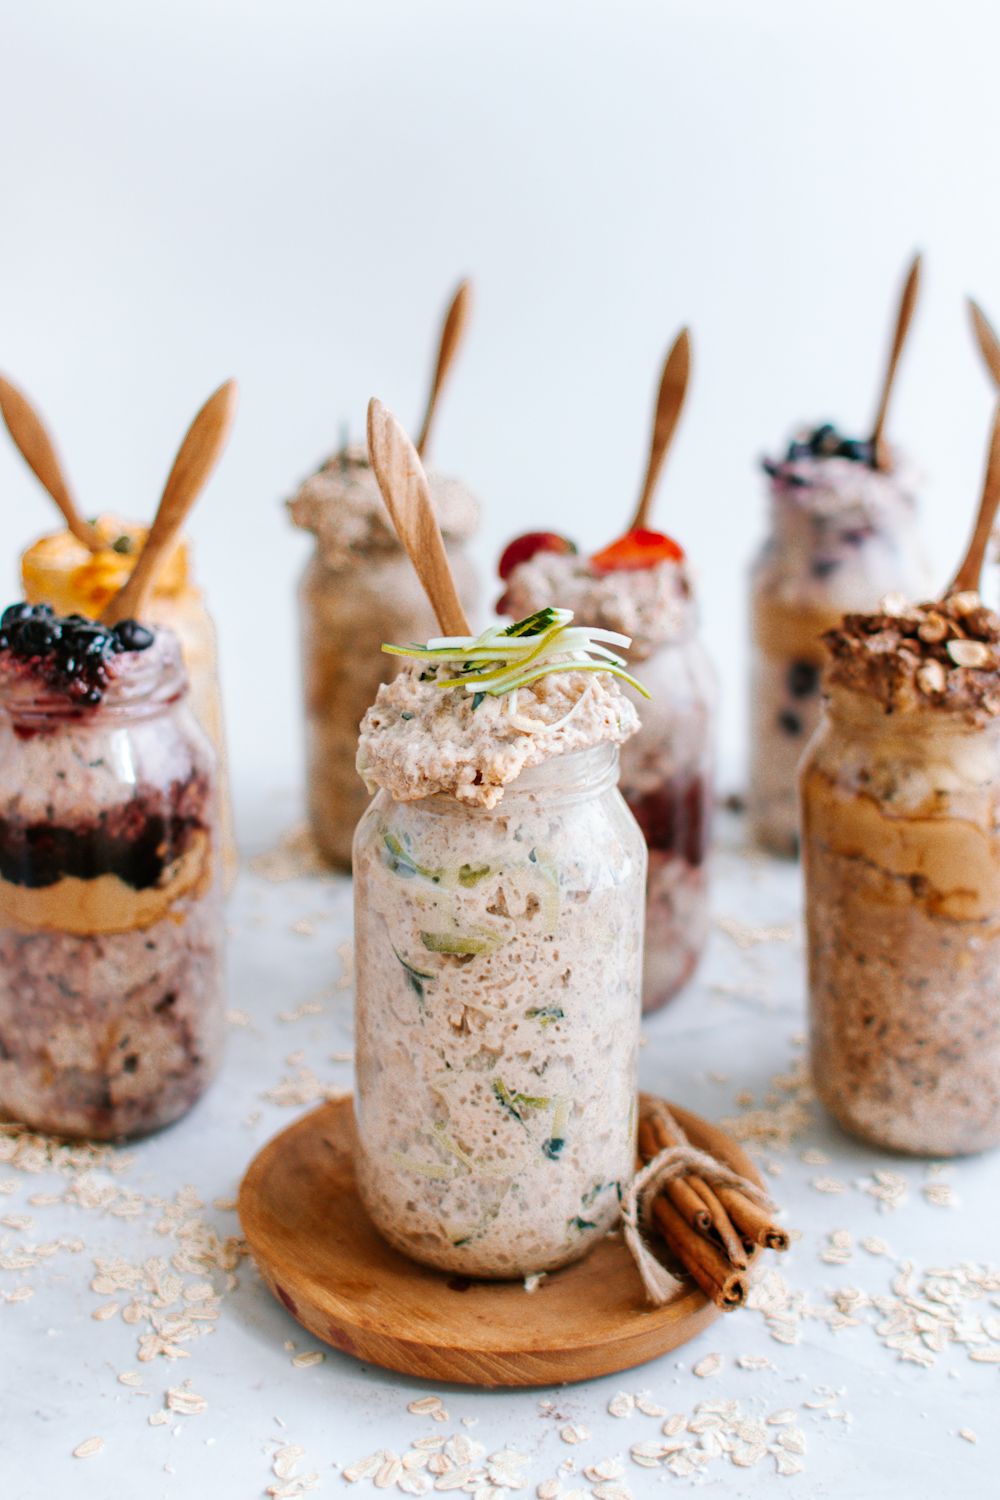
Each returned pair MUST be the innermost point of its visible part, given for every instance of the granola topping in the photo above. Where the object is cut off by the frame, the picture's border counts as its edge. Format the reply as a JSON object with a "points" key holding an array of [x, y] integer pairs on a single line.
{"points": [[943, 655]]}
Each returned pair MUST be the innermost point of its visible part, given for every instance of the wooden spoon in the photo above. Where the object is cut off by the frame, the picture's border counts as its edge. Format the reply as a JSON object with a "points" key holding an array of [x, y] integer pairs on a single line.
{"points": [[907, 303], [196, 458], [38, 451], [673, 388], [986, 338], [971, 567], [404, 487], [452, 331]]}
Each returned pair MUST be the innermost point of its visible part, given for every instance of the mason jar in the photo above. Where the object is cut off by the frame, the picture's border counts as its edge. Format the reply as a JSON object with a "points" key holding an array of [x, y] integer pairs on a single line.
{"points": [[499, 972], [901, 856], [668, 765], [358, 590], [111, 936], [59, 570], [842, 536], [668, 780]]}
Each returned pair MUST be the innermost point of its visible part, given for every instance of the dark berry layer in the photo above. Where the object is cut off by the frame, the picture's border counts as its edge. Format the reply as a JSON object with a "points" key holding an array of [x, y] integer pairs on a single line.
{"points": [[675, 818], [137, 841], [68, 652]]}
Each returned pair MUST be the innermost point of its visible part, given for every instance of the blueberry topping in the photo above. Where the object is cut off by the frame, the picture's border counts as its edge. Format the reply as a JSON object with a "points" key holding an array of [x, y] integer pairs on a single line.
{"points": [[823, 566], [132, 636], [826, 442], [803, 679], [790, 723], [70, 653]]}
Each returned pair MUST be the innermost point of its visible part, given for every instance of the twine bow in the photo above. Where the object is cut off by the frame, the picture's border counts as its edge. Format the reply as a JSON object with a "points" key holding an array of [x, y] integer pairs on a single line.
{"points": [[675, 1161]]}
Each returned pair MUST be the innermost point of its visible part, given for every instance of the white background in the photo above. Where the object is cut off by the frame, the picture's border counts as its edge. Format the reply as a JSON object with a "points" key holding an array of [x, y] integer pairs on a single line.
{"points": [[288, 192]]}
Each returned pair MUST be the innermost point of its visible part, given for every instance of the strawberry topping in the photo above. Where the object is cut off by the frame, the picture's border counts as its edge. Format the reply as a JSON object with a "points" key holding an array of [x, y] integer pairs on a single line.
{"points": [[523, 548], [637, 549]]}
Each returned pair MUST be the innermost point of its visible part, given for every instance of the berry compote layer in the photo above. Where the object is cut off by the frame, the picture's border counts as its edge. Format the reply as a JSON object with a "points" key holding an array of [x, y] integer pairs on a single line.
{"points": [[110, 932]]}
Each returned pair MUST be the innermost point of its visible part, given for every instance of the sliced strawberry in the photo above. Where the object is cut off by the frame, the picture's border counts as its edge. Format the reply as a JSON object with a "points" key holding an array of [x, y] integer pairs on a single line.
{"points": [[637, 549], [523, 548]]}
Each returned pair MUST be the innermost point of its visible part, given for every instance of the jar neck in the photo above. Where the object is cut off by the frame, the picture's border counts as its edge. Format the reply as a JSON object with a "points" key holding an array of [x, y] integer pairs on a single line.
{"points": [[144, 692], [574, 777]]}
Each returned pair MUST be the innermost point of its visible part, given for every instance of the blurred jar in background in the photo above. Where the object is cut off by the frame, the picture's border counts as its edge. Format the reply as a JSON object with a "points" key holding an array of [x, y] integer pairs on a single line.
{"points": [[358, 590], [843, 535], [641, 587], [59, 570]]}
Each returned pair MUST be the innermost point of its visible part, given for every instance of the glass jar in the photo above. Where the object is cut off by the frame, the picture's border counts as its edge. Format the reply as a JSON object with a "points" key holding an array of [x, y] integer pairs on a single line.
{"points": [[842, 536], [111, 938], [358, 590], [59, 570], [498, 962], [667, 779], [901, 853]]}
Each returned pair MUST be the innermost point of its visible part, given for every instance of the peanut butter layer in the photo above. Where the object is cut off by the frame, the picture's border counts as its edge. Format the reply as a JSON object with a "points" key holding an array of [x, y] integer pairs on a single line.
{"points": [[950, 865], [107, 904], [59, 570]]}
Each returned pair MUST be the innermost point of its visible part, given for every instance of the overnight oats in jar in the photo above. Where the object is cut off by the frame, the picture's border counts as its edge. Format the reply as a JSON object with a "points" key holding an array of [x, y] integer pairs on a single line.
{"points": [[642, 587], [359, 588], [843, 534], [59, 570], [111, 940], [499, 884], [901, 850]]}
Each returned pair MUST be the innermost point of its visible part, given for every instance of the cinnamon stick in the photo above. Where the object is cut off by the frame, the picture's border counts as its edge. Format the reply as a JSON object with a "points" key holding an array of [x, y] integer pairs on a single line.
{"points": [[660, 1136], [706, 1265], [752, 1221], [682, 1195]]}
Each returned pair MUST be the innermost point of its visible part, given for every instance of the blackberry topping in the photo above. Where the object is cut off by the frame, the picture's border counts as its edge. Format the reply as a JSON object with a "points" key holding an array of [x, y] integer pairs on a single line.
{"points": [[69, 652]]}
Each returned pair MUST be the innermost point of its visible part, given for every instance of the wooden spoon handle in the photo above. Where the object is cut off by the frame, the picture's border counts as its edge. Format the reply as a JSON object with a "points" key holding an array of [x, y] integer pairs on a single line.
{"points": [[971, 567], [904, 316], [196, 458], [986, 338], [452, 331], [673, 388], [38, 451], [403, 483]]}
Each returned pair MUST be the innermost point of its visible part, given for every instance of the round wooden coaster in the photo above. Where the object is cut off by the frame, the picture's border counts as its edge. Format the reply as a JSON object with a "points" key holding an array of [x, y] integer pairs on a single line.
{"points": [[323, 1259]]}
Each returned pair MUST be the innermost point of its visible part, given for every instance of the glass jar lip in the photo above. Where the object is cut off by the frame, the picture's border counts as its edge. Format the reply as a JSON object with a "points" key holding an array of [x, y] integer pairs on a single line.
{"points": [[154, 682], [586, 772]]}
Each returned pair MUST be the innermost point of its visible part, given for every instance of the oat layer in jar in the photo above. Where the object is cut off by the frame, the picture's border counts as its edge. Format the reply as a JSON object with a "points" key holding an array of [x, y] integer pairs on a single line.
{"points": [[358, 589], [499, 907], [111, 939], [60, 571], [901, 850], [667, 766], [843, 535]]}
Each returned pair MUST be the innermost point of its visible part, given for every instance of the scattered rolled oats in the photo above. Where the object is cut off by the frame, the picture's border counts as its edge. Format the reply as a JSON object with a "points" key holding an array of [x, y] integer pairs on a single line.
{"points": [[710, 1365], [89, 1447], [308, 1358], [622, 1404], [574, 1432]]}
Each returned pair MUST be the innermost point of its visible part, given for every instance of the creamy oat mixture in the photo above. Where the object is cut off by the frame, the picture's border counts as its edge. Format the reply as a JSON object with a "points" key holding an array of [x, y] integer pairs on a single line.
{"points": [[651, 605], [358, 590], [341, 504], [667, 766], [498, 910], [110, 929], [843, 535], [901, 812], [417, 739]]}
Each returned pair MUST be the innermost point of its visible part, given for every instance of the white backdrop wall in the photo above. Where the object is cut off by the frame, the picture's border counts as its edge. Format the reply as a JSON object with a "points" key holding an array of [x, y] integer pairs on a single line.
{"points": [[287, 190]]}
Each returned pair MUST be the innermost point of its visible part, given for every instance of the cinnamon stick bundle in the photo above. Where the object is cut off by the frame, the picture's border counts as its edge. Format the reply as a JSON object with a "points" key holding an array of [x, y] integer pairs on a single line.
{"points": [[712, 1231]]}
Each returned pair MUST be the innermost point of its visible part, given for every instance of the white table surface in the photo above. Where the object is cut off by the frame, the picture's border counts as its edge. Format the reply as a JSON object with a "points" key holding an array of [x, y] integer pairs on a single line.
{"points": [[888, 1427]]}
